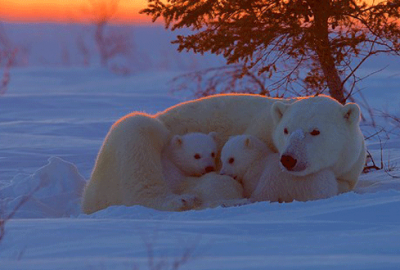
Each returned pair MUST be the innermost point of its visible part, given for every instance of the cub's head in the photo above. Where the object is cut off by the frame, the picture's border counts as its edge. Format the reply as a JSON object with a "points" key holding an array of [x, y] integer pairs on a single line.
{"points": [[312, 134], [238, 153], [194, 153]]}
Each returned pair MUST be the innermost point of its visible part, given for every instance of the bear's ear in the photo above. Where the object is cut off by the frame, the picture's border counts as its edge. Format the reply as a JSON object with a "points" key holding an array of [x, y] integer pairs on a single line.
{"points": [[177, 140], [351, 112], [213, 135], [277, 111], [248, 143]]}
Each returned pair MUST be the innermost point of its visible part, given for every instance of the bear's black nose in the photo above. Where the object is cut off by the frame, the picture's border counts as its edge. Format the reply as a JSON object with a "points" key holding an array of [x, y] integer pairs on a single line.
{"points": [[288, 162], [210, 169]]}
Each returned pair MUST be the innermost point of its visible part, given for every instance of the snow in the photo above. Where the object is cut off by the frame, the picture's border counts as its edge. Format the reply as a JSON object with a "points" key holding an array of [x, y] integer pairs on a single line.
{"points": [[55, 191], [52, 123]]}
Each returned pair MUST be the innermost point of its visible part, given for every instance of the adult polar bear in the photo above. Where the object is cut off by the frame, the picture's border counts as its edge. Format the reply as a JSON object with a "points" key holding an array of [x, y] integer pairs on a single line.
{"points": [[128, 168]]}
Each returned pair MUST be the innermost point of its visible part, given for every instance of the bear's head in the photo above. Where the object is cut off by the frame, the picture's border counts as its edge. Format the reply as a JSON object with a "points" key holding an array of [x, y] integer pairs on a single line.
{"points": [[314, 133], [239, 153], [194, 153]]}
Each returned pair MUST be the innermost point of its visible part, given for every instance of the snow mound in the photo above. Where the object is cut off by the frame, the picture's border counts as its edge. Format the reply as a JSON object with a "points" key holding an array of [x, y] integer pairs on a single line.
{"points": [[52, 191]]}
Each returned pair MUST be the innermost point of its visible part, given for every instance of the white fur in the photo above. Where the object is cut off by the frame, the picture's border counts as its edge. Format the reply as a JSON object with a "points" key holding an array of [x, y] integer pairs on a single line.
{"points": [[128, 168], [243, 158], [192, 154], [338, 146], [215, 190], [122, 159], [264, 180], [277, 185]]}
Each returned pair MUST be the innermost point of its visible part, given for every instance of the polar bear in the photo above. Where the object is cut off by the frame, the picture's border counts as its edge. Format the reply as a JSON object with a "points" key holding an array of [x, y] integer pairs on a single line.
{"points": [[314, 134], [128, 168], [247, 158], [192, 154], [132, 151]]}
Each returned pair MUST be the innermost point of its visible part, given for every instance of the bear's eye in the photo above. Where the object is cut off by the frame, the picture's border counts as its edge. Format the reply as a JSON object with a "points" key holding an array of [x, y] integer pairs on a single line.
{"points": [[197, 156], [315, 132], [212, 154], [231, 160], [286, 131]]}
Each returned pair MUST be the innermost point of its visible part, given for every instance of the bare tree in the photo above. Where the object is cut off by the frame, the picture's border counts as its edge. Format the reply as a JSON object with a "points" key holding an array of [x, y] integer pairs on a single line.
{"points": [[8, 54], [225, 79], [109, 43], [6, 217], [162, 263]]}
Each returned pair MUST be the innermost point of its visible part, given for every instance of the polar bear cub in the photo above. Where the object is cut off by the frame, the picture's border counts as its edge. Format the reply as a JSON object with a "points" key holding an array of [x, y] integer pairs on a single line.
{"points": [[192, 154], [243, 158], [264, 178]]}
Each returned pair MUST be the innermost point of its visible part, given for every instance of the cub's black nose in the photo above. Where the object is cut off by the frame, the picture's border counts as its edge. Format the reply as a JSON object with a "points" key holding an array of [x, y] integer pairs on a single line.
{"points": [[210, 169], [288, 162]]}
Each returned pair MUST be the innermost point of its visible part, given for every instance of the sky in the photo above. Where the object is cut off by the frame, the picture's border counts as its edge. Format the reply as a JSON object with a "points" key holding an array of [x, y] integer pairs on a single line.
{"points": [[67, 11]]}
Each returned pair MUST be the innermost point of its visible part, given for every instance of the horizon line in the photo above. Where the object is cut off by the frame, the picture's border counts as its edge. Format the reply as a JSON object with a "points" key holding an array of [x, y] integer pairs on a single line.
{"points": [[74, 11]]}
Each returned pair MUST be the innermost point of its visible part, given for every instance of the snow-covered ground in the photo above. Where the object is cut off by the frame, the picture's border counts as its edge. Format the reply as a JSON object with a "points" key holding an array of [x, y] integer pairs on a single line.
{"points": [[52, 124]]}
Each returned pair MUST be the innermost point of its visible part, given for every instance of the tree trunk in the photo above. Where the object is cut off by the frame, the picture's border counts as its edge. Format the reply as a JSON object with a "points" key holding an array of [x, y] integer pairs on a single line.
{"points": [[100, 41], [323, 49], [331, 74]]}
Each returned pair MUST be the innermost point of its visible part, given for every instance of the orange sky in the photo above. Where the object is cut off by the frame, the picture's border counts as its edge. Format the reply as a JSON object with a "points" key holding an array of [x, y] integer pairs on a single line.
{"points": [[69, 10]]}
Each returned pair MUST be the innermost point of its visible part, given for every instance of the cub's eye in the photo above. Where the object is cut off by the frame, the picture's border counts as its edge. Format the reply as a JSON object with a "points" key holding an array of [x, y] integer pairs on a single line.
{"points": [[315, 132], [212, 154], [286, 131], [231, 160], [197, 156]]}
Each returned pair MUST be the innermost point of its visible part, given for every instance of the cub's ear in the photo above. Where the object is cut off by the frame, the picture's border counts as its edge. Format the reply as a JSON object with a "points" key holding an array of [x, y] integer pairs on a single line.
{"points": [[277, 111], [248, 143], [213, 135], [351, 112], [177, 140]]}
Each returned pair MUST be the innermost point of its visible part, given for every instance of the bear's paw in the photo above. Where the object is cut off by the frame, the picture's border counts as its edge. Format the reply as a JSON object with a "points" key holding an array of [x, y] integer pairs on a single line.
{"points": [[183, 202]]}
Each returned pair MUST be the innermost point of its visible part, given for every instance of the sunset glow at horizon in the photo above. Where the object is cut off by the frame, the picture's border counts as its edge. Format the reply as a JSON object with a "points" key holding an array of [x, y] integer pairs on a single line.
{"points": [[71, 11]]}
